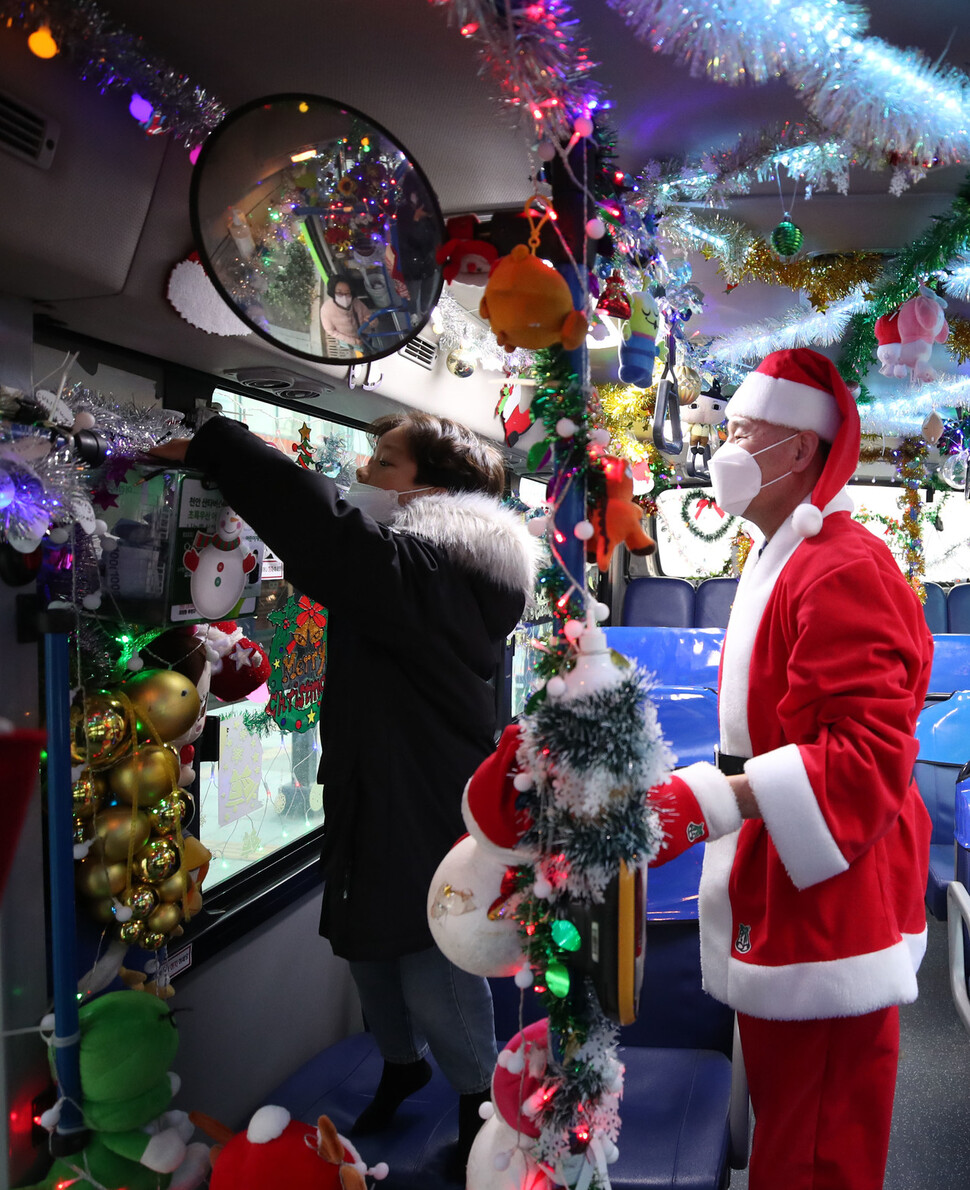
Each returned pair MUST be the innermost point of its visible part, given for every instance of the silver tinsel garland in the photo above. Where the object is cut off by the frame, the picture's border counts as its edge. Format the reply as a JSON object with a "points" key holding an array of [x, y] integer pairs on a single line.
{"points": [[797, 327], [108, 55]]}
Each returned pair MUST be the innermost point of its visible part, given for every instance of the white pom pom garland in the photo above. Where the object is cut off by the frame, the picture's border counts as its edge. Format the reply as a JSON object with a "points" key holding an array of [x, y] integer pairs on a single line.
{"points": [[566, 427], [524, 978], [583, 530]]}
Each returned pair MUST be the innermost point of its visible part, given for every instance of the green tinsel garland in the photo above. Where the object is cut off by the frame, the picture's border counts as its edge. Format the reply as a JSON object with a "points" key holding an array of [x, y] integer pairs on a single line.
{"points": [[691, 524], [930, 254]]}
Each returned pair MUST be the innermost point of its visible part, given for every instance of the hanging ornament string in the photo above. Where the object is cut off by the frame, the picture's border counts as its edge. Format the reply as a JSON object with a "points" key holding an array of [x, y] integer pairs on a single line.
{"points": [[787, 237]]}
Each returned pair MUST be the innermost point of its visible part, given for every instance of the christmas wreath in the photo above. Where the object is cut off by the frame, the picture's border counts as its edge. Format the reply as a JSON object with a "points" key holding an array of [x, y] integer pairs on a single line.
{"points": [[689, 515]]}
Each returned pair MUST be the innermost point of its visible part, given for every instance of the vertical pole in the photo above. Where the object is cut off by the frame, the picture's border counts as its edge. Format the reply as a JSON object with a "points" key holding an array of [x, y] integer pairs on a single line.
{"points": [[61, 857]]}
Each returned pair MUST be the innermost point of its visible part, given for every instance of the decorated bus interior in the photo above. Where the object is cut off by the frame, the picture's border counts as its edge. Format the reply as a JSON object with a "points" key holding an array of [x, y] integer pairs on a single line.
{"points": [[574, 228]]}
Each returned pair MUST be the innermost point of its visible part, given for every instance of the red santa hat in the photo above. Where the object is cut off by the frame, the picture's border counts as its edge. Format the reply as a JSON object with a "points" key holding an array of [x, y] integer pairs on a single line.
{"points": [[518, 1082], [803, 389], [488, 804]]}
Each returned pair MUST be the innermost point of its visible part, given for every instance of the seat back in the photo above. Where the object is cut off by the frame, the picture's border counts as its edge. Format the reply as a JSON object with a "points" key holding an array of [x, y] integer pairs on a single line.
{"points": [[712, 602], [659, 603], [937, 786], [934, 609], [958, 609]]}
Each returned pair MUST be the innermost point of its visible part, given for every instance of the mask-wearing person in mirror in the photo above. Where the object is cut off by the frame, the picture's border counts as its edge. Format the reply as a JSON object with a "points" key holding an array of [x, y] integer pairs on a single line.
{"points": [[342, 314], [812, 918], [425, 573], [417, 236]]}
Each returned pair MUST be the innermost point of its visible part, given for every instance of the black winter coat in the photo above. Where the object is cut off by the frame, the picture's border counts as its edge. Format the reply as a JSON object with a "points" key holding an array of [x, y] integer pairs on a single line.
{"points": [[418, 617]]}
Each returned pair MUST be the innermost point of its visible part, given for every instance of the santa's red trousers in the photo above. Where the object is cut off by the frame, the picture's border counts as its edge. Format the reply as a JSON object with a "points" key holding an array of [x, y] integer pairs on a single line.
{"points": [[822, 1093]]}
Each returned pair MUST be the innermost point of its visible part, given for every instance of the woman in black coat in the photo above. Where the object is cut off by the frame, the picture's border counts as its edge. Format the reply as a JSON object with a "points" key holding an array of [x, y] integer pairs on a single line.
{"points": [[422, 592]]}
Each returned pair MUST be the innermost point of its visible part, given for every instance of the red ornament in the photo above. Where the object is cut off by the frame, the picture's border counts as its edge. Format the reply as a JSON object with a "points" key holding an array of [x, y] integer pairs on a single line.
{"points": [[615, 299]]}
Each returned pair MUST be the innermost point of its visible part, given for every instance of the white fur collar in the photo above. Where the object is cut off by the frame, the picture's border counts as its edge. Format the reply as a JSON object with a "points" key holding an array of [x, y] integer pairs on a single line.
{"points": [[480, 534]]}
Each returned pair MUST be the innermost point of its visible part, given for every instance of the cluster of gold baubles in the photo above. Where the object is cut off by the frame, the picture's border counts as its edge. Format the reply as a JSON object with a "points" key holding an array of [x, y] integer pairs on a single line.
{"points": [[128, 805]]}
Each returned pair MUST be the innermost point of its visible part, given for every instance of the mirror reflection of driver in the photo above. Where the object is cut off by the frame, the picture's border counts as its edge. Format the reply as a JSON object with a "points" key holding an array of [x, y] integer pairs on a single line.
{"points": [[342, 314]]}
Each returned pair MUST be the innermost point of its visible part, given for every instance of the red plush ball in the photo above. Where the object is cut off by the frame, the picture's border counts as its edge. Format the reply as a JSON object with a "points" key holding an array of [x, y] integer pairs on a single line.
{"points": [[241, 666]]}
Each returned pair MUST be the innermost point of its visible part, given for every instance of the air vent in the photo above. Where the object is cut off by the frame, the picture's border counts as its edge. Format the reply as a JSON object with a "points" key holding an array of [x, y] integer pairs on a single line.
{"points": [[26, 133], [419, 351], [282, 382]]}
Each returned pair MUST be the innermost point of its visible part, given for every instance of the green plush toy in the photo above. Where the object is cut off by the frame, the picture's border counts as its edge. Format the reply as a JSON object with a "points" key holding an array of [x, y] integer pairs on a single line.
{"points": [[128, 1042]]}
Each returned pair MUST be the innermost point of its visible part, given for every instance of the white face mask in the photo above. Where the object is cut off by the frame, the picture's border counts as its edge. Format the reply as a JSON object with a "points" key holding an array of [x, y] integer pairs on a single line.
{"points": [[736, 477], [382, 504], [343, 300]]}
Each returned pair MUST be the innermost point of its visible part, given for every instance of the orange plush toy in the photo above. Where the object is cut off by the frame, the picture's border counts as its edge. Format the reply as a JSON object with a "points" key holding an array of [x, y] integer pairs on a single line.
{"points": [[617, 518], [527, 303]]}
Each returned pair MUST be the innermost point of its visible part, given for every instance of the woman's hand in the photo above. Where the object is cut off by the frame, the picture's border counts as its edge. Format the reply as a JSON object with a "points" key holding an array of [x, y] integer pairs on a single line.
{"points": [[172, 451]]}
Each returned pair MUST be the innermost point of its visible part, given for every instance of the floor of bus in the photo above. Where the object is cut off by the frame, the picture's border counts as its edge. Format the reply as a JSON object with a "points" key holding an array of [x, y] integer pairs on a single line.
{"points": [[930, 1142]]}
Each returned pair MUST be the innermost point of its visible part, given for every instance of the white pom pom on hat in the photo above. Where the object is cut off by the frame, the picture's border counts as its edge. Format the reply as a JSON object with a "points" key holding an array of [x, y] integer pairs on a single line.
{"points": [[802, 388]]}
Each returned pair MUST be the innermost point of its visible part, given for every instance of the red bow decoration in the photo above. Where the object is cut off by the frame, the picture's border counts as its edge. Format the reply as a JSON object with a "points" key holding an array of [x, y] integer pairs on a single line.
{"points": [[703, 503], [314, 611]]}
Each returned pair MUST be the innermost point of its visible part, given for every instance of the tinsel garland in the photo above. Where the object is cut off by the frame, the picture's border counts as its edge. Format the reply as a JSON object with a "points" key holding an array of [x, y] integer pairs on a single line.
{"points": [[926, 256], [533, 56], [824, 278], [910, 459], [958, 343], [795, 328], [891, 101], [462, 330], [590, 758], [106, 54]]}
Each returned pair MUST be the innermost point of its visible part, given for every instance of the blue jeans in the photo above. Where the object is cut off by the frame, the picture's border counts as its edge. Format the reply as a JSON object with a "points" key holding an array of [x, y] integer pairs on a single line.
{"points": [[421, 1000]]}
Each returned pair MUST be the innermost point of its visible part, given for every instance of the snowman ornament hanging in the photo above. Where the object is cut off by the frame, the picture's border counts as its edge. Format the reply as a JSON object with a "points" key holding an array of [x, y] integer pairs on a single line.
{"points": [[219, 565]]}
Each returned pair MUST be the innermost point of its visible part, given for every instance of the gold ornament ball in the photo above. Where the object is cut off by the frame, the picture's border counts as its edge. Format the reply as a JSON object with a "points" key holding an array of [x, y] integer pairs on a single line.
{"points": [[174, 887], [156, 861], [95, 878], [151, 940], [131, 932], [141, 900], [168, 814], [88, 794], [103, 910], [146, 776], [121, 832], [99, 731], [164, 918], [168, 700]]}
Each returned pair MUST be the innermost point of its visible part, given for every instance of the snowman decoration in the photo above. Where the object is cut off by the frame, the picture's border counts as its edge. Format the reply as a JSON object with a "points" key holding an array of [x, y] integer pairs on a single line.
{"points": [[219, 565]]}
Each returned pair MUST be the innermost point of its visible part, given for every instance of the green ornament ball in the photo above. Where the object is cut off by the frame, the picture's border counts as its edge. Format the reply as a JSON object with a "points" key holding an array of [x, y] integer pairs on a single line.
{"points": [[787, 238]]}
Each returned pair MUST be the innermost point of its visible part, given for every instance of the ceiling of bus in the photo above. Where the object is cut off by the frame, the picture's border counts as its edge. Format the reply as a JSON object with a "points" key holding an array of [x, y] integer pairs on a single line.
{"points": [[93, 240]]}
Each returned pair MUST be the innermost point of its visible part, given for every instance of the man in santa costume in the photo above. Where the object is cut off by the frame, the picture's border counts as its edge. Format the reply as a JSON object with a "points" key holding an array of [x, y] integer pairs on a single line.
{"points": [[812, 920]]}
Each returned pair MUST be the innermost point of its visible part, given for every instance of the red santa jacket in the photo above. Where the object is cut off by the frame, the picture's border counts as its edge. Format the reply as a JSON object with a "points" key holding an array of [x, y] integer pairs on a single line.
{"points": [[816, 908]]}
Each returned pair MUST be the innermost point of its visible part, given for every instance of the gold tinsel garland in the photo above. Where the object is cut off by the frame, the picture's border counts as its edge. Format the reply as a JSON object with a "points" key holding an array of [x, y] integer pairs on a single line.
{"points": [[911, 465], [958, 344], [626, 413], [824, 278]]}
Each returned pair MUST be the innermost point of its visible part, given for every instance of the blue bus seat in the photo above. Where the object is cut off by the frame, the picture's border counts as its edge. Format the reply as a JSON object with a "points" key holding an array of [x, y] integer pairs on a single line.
{"points": [[951, 664], [958, 608], [682, 1063], [935, 609], [712, 602], [675, 656], [659, 602], [937, 786]]}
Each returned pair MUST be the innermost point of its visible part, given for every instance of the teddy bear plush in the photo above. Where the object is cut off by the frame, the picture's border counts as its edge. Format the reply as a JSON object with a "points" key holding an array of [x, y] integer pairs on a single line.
{"points": [[528, 304], [616, 518], [128, 1042]]}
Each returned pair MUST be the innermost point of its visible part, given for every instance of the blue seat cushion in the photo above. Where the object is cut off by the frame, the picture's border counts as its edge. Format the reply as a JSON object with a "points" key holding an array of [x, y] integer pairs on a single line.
{"points": [[675, 1116]]}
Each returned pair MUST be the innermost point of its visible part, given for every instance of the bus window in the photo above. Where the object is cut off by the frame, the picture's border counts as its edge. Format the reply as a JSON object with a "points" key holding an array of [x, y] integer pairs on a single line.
{"points": [[694, 538]]}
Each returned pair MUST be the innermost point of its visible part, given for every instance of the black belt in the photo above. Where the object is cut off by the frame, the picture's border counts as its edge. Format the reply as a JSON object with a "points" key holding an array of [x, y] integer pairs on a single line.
{"points": [[730, 766]]}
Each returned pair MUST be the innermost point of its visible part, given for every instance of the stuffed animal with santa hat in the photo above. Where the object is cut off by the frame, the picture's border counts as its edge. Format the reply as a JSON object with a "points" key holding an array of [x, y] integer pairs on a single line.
{"points": [[276, 1152], [463, 256], [906, 336]]}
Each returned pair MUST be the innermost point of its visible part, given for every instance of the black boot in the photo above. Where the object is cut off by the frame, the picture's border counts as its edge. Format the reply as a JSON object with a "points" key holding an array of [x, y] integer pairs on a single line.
{"points": [[469, 1122], [398, 1081]]}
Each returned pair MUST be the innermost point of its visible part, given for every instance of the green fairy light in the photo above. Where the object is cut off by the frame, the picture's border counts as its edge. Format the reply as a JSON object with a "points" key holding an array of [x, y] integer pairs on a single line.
{"points": [[557, 979], [565, 935]]}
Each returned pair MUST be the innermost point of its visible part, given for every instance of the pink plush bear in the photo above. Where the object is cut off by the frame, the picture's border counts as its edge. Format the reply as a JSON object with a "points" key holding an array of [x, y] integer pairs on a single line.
{"points": [[906, 336]]}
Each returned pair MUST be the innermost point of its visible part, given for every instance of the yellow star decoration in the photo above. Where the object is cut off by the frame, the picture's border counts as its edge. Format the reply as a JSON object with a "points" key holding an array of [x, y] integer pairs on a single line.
{"points": [[311, 717], [276, 663], [304, 435]]}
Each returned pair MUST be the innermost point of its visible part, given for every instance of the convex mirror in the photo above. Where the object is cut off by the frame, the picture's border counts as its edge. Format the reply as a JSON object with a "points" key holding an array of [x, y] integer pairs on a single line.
{"points": [[317, 227]]}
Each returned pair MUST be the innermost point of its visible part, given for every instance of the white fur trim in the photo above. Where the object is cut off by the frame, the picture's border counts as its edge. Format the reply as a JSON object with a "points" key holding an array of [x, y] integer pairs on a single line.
{"points": [[715, 796], [793, 817], [480, 534], [267, 1124], [508, 855], [787, 403], [716, 917], [813, 991]]}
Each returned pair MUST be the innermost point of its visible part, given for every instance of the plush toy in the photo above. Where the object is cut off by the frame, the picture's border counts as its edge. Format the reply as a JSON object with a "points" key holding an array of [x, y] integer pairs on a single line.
{"points": [[703, 413], [639, 347], [528, 304], [616, 518], [277, 1153], [463, 256], [128, 1042], [906, 336], [239, 666]]}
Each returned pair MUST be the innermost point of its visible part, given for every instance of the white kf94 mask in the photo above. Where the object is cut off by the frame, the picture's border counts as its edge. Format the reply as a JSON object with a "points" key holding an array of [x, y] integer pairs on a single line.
{"points": [[380, 503], [736, 477]]}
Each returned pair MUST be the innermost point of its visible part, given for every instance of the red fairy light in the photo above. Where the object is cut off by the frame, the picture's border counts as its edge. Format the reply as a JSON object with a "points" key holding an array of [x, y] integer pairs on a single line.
{"points": [[469, 29]]}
